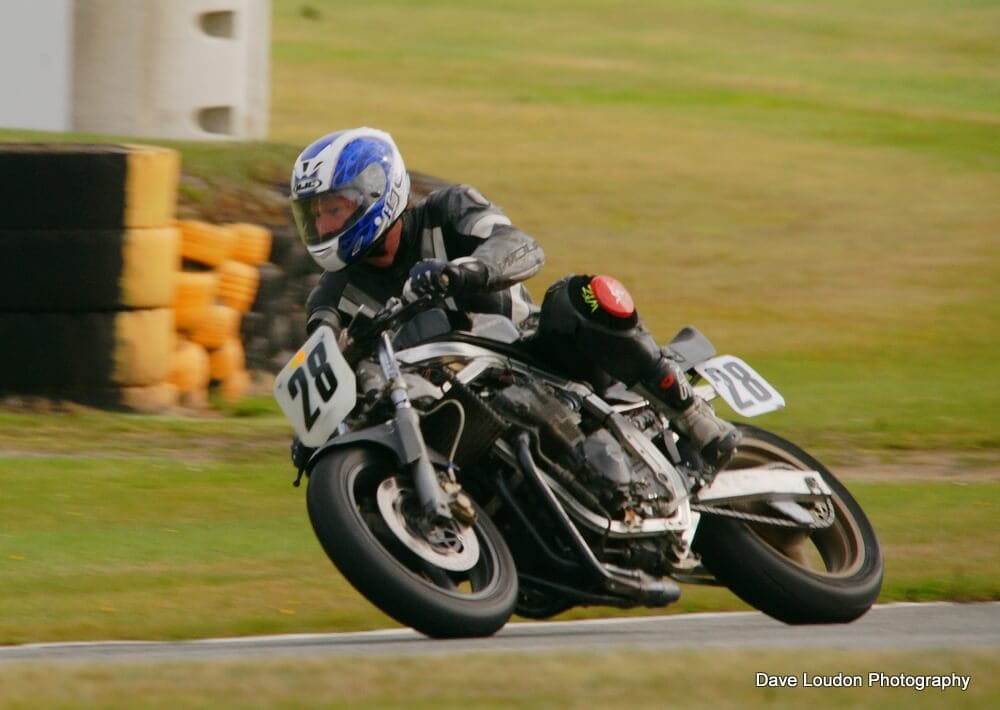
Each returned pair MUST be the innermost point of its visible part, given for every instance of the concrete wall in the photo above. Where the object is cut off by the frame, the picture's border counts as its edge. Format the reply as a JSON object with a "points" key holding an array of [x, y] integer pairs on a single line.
{"points": [[186, 69], [35, 64]]}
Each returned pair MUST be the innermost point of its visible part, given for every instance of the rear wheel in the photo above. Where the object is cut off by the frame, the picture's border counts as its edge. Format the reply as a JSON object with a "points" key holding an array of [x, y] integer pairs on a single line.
{"points": [[452, 580], [830, 575]]}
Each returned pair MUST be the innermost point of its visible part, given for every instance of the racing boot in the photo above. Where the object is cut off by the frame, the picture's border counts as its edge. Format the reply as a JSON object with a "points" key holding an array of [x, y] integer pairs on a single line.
{"points": [[668, 388]]}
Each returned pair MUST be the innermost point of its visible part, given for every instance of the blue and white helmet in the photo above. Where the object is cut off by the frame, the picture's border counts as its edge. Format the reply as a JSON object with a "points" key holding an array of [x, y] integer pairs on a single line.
{"points": [[363, 165]]}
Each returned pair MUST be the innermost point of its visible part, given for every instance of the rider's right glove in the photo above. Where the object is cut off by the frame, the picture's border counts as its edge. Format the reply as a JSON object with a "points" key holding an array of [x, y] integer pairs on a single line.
{"points": [[437, 278]]}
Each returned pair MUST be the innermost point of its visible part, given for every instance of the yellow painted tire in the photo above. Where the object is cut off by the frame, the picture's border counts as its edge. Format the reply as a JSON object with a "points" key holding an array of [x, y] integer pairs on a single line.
{"points": [[67, 186], [153, 399], [238, 284], [253, 243], [221, 323], [225, 360], [205, 243], [194, 293], [144, 346], [236, 386], [191, 367]]}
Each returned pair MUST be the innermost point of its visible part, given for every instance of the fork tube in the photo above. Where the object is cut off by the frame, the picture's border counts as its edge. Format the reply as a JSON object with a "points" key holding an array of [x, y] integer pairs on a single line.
{"points": [[432, 497]]}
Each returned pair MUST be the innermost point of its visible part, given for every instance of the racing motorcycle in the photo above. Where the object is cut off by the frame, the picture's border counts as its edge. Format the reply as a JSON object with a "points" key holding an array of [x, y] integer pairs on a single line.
{"points": [[458, 479]]}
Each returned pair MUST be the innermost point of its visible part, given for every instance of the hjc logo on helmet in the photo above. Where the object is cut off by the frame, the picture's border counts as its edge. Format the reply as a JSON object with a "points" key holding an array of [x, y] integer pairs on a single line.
{"points": [[307, 185]]}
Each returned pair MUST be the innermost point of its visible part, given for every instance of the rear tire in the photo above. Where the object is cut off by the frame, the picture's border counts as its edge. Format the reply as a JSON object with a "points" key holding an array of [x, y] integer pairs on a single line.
{"points": [[343, 508], [832, 575]]}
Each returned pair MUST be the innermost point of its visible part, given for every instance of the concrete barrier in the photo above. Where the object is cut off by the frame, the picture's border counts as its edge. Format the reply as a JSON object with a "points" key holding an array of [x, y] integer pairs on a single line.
{"points": [[185, 69], [35, 64]]}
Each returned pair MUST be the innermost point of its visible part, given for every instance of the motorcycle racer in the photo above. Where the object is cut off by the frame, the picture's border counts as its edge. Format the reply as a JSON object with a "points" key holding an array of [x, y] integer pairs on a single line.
{"points": [[350, 197]]}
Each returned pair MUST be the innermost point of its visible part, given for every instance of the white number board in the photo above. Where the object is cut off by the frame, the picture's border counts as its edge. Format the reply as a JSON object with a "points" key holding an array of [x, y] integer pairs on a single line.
{"points": [[744, 390], [316, 389]]}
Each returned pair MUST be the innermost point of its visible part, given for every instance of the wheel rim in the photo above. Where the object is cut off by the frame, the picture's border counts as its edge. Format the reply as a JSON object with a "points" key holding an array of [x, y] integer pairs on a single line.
{"points": [[449, 545], [837, 551], [454, 547]]}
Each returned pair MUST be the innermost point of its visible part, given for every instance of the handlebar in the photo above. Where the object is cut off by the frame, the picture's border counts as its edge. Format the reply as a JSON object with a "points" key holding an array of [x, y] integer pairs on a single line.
{"points": [[363, 330]]}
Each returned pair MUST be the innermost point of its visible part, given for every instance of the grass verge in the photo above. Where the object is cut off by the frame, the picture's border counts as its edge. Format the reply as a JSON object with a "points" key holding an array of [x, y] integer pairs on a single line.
{"points": [[640, 679]]}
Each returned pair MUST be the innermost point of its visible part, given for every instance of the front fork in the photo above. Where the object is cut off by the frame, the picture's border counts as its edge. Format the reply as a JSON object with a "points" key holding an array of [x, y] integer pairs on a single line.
{"points": [[432, 497]]}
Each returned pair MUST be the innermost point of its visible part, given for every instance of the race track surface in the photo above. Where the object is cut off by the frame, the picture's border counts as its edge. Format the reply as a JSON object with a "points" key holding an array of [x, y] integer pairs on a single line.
{"points": [[889, 627]]}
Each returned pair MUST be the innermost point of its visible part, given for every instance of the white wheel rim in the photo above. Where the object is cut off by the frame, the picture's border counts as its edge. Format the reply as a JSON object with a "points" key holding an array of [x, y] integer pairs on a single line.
{"points": [[455, 550]]}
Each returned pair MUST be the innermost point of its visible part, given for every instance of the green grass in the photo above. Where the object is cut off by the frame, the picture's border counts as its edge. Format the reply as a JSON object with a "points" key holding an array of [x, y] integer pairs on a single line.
{"points": [[641, 679]]}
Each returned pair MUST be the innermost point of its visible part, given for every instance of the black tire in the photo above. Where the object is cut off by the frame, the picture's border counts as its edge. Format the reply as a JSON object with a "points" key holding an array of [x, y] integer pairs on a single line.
{"points": [[59, 186], [71, 353], [836, 584], [87, 269], [354, 535]]}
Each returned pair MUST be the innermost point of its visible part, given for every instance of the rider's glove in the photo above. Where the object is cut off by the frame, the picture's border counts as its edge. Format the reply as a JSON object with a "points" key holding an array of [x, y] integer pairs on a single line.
{"points": [[300, 453], [436, 278]]}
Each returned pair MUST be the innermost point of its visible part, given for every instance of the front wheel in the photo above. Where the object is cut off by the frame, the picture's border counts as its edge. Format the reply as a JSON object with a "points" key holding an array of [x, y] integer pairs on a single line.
{"points": [[451, 581], [831, 575]]}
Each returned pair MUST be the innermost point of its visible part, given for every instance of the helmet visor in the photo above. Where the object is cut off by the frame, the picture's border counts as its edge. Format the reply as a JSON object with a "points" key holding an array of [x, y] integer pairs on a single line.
{"points": [[325, 217]]}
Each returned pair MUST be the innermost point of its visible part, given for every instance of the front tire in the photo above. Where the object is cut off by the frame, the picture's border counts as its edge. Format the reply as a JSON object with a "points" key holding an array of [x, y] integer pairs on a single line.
{"points": [[377, 555], [832, 575]]}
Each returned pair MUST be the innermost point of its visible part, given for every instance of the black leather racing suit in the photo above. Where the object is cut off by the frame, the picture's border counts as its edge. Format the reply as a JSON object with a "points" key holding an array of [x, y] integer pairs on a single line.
{"points": [[450, 223]]}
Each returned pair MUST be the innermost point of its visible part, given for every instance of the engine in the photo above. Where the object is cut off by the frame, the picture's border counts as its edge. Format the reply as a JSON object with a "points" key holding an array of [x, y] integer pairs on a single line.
{"points": [[594, 465]]}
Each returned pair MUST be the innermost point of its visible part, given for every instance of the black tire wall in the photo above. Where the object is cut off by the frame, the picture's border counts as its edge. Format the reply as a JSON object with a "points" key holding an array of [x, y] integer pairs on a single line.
{"points": [[88, 253]]}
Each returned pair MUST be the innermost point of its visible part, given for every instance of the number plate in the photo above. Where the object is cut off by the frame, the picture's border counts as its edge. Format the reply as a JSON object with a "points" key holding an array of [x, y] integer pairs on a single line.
{"points": [[744, 390], [316, 389]]}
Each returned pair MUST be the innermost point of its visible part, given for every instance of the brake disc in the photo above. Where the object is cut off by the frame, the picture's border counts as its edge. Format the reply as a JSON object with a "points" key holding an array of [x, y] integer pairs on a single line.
{"points": [[449, 544]]}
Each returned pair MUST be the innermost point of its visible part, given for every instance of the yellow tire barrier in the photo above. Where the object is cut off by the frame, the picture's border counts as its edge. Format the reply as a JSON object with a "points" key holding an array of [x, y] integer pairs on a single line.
{"points": [[151, 399], [253, 243], [144, 346], [238, 284], [205, 243], [236, 386], [221, 323], [152, 177], [226, 359], [190, 371], [194, 293]]}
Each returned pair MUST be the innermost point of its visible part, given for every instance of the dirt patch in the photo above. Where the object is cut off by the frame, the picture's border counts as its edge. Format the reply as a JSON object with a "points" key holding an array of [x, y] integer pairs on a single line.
{"points": [[956, 466]]}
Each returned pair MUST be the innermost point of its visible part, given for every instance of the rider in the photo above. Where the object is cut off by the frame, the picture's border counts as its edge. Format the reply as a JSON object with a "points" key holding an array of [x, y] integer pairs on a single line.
{"points": [[350, 199]]}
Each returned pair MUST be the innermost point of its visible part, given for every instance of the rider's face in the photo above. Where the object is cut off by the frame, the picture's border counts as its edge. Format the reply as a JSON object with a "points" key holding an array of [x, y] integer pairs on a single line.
{"points": [[330, 212]]}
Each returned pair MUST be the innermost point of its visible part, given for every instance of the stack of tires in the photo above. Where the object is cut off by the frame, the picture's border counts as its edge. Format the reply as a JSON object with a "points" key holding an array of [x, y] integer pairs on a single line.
{"points": [[217, 286], [276, 324], [88, 254]]}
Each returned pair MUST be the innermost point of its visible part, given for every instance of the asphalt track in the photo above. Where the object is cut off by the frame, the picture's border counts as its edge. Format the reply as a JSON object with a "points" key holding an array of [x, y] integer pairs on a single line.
{"points": [[888, 627]]}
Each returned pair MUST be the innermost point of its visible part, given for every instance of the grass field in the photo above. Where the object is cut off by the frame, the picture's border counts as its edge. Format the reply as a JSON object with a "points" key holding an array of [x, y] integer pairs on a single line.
{"points": [[813, 184], [636, 678]]}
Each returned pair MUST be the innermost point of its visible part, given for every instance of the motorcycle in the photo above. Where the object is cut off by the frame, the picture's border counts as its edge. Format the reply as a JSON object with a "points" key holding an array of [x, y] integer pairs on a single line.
{"points": [[457, 479]]}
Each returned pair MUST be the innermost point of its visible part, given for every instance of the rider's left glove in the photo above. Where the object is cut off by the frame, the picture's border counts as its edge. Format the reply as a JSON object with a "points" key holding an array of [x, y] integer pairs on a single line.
{"points": [[300, 453], [440, 279]]}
